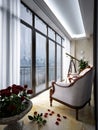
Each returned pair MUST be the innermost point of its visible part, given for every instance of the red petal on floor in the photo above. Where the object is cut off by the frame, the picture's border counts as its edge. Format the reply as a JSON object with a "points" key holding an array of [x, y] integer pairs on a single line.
{"points": [[35, 113], [45, 116], [46, 113], [57, 123], [58, 115], [48, 109], [50, 114], [58, 119], [64, 117]]}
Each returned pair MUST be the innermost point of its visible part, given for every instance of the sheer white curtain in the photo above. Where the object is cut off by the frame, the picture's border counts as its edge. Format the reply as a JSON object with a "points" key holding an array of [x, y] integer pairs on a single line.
{"points": [[9, 42]]}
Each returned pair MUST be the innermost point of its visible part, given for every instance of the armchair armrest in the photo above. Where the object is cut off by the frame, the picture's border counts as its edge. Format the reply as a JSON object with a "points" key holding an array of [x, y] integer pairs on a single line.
{"points": [[60, 84]]}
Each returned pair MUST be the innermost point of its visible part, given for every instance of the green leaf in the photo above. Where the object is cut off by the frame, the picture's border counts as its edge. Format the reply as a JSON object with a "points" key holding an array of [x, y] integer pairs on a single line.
{"points": [[30, 117], [41, 114], [44, 122]]}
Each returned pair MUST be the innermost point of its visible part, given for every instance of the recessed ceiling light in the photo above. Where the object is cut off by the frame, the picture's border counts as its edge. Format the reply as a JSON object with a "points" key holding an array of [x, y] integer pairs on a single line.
{"points": [[52, 5]]}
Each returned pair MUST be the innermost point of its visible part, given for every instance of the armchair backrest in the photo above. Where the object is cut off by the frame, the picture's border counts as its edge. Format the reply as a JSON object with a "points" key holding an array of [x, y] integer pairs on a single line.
{"points": [[76, 93], [83, 86]]}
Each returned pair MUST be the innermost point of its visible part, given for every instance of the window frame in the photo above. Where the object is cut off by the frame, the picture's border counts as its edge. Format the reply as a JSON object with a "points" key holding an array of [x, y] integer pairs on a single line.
{"points": [[34, 30]]}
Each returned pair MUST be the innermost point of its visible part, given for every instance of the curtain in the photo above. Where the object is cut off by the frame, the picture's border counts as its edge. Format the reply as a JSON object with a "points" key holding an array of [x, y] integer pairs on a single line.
{"points": [[9, 42]]}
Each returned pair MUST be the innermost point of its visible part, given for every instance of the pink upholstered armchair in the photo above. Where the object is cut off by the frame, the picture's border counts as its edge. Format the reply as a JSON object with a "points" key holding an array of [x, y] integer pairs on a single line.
{"points": [[75, 94]]}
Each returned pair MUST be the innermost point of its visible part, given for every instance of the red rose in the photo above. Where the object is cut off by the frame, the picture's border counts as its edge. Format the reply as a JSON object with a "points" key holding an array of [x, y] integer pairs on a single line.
{"points": [[25, 86], [9, 87], [3, 92], [14, 85], [35, 113], [7, 93], [19, 87], [22, 98], [15, 91], [29, 91]]}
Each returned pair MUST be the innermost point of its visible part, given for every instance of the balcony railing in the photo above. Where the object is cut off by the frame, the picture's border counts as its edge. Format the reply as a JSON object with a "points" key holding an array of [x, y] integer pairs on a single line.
{"points": [[25, 75]]}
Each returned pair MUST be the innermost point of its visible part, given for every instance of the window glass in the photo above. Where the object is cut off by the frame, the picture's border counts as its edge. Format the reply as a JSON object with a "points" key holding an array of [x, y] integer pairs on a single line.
{"points": [[26, 14], [51, 61], [58, 63], [51, 33], [40, 25], [58, 39], [25, 56], [64, 42], [40, 52], [40, 62]]}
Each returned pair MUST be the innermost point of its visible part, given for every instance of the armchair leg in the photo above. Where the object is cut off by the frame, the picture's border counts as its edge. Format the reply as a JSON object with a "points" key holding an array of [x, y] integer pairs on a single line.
{"points": [[76, 114], [50, 101], [51, 92]]}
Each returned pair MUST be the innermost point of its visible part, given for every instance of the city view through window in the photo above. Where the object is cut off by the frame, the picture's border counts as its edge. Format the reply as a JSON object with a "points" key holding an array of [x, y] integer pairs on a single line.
{"points": [[42, 58]]}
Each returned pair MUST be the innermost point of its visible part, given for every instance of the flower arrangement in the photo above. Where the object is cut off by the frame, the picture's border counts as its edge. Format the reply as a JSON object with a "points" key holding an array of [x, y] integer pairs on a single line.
{"points": [[38, 118], [13, 100], [82, 64]]}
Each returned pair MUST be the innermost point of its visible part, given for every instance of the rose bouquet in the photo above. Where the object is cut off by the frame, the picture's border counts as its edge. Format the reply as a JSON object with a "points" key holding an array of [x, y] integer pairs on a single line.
{"points": [[13, 100]]}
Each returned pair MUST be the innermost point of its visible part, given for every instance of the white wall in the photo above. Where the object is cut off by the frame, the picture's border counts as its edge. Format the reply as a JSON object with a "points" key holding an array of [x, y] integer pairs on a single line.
{"points": [[66, 59], [83, 48]]}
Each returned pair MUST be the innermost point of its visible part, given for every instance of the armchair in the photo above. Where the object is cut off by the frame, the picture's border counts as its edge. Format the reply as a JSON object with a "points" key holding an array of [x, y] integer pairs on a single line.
{"points": [[75, 94]]}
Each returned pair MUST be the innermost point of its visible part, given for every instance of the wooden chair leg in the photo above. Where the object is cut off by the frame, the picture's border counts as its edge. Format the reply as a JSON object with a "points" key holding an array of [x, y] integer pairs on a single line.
{"points": [[51, 92], [50, 101], [76, 114]]}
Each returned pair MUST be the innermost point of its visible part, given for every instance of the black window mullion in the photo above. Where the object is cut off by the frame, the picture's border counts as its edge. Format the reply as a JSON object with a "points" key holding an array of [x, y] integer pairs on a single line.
{"points": [[61, 60], [33, 60], [47, 50], [55, 58]]}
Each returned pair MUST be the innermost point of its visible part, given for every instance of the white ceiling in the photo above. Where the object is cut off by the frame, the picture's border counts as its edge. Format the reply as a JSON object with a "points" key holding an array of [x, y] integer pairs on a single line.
{"points": [[68, 10], [87, 10]]}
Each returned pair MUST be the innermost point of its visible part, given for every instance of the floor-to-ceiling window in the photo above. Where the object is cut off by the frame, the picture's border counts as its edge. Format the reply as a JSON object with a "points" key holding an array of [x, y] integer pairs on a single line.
{"points": [[59, 60], [26, 47], [41, 52], [25, 56], [51, 55], [40, 55], [40, 62], [51, 68]]}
